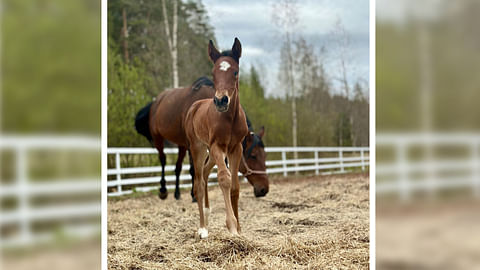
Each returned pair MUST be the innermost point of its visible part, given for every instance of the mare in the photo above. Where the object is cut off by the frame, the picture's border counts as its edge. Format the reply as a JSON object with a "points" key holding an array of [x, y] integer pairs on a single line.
{"points": [[219, 126]]}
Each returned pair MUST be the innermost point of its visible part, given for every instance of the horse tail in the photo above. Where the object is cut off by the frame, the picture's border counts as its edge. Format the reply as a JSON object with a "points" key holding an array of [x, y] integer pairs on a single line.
{"points": [[202, 81], [142, 122]]}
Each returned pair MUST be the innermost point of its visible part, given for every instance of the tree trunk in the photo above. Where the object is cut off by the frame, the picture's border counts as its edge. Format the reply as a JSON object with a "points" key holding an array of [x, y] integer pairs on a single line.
{"points": [[292, 94], [172, 39], [125, 36]]}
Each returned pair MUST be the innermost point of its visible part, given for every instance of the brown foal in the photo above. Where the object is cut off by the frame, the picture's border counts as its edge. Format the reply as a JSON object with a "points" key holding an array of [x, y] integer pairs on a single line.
{"points": [[219, 126]]}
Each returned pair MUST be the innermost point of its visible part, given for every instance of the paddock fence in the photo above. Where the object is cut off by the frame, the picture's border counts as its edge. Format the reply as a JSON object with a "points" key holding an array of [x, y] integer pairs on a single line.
{"points": [[37, 206], [419, 163], [280, 160]]}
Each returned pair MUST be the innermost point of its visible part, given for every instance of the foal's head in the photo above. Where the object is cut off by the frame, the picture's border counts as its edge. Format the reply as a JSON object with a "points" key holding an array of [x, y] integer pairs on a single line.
{"points": [[255, 157], [225, 74]]}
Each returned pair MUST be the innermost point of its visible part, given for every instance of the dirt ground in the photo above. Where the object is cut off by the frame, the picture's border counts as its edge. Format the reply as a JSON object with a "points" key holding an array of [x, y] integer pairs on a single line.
{"points": [[79, 255], [436, 235], [302, 223]]}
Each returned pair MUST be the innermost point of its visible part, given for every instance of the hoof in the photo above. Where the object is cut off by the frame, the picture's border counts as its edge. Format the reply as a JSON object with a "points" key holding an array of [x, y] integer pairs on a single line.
{"points": [[203, 233], [194, 199], [163, 195], [177, 195]]}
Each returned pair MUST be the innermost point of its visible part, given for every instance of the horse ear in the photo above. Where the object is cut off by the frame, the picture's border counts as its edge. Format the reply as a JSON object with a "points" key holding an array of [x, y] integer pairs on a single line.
{"points": [[261, 133], [213, 53], [237, 49]]}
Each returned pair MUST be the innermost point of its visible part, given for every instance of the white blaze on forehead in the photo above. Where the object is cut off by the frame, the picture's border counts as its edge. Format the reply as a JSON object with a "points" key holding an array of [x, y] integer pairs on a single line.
{"points": [[224, 65]]}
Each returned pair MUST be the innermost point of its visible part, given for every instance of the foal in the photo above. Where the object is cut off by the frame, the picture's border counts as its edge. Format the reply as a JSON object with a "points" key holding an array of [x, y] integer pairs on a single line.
{"points": [[218, 125]]}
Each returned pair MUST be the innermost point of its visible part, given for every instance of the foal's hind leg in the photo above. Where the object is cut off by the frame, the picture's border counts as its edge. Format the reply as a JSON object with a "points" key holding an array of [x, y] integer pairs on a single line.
{"points": [[163, 160], [178, 170], [192, 174]]}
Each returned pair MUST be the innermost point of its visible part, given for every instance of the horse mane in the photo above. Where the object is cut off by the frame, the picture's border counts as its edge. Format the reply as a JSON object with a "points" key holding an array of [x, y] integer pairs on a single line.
{"points": [[202, 81]]}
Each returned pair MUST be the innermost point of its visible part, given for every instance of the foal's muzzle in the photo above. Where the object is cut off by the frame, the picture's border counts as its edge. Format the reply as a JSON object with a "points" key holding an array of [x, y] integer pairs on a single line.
{"points": [[221, 103]]}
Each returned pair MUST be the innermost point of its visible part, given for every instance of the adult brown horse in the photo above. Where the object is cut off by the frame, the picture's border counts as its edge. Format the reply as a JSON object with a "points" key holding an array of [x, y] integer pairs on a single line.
{"points": [[219, 126], [163, 120]]}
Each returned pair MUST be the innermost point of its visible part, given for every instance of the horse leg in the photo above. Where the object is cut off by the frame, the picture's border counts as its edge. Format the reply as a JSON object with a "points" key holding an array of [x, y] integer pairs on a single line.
{"points": [[163, 160], [178, 169], [192, 174], [225, 182], [206, 172], [234, 158], [199, 154]]}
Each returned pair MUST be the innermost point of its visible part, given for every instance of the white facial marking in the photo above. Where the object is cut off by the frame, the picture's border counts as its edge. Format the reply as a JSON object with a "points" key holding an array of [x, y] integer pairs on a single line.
{"points": [[224, 65], [203, 233]]}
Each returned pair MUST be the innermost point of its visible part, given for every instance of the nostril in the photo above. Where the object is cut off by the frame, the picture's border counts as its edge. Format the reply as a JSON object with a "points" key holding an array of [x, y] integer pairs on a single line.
{"points": [[224, 100], [262, 191]]}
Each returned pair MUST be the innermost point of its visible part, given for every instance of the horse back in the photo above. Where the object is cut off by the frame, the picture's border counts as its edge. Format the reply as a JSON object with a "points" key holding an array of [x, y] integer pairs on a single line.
{"points": [[169, 110]]}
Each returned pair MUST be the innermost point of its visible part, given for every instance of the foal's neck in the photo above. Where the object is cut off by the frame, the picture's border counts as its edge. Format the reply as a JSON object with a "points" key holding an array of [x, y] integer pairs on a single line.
{"points": [[233, 112]]}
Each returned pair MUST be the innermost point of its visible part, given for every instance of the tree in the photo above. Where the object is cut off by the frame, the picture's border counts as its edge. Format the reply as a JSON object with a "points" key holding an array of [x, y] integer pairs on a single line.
{"points": [[172, 39], [341, 41], [285, 16]]}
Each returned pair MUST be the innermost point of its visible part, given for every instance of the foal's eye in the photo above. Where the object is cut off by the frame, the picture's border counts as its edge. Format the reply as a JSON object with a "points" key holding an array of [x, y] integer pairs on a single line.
{"points": [[235, 74]]}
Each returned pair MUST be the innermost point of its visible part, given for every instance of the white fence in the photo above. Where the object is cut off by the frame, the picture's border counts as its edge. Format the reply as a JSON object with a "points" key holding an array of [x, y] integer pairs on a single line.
{"points": [[339, 160], [19, 218], [427, 163]]}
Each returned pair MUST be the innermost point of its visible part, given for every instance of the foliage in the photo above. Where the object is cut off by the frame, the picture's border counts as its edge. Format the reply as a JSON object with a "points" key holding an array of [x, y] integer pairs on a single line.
{"points": [[51, 66]]}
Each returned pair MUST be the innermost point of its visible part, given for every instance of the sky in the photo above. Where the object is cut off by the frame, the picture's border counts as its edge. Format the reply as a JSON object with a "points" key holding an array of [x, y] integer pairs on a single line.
{"points": [[251, 22]]}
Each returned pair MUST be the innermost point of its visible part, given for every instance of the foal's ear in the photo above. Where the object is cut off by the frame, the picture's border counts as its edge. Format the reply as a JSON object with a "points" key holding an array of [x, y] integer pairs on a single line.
{"points": [[237, 49], [261, 133], [213, 53]]}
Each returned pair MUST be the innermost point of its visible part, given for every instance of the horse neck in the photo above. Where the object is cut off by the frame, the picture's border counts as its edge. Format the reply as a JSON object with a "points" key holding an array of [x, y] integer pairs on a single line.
{"points": [[235, 104]]}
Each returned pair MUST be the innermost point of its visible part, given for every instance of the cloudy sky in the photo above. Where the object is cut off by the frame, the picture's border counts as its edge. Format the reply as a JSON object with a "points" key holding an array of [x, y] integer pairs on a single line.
{"points": [[250, 21]]}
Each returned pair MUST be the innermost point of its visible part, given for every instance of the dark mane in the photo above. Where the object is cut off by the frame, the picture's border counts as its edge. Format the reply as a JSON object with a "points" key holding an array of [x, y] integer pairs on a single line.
{"points": [[202, 81], [230, 53]]}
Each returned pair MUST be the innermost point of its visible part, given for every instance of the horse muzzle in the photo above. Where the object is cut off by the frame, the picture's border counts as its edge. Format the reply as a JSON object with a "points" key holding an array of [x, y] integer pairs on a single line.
{"points": [[221, 103], [260, 192]]}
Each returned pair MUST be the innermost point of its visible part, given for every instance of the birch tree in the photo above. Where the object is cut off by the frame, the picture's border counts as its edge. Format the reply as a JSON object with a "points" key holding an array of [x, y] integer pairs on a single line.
{"points": [[341, 40], [172, 38], [285, 16]]}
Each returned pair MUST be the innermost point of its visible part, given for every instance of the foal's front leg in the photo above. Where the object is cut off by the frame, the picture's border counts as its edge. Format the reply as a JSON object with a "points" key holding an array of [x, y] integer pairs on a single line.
{"points": [[234, 157], [225, 182], [199, 154]]}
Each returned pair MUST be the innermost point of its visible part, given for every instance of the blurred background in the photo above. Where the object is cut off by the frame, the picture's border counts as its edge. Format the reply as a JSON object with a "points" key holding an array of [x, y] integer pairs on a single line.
{"points": [[428, 134], [50, 134]]}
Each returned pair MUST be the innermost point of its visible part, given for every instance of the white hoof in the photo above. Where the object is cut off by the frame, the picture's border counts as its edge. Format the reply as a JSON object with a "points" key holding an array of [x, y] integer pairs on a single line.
{"points": [[203, 233], [206, 213]]}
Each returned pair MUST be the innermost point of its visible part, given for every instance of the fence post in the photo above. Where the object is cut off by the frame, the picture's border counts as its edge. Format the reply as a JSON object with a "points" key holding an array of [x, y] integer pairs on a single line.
{"points": [[284, 162], [403, 170], [316, 162], [362, 157], [340, 156], [119, 175], [22, 178], [476, 168]]}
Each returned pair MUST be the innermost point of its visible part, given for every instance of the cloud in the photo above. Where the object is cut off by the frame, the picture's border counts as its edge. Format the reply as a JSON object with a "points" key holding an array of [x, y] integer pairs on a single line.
{"points": [[251, 22]]}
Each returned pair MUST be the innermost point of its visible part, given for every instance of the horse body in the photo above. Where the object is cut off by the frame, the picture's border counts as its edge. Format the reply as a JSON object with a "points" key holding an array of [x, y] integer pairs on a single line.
{"points": [[219, 126]]}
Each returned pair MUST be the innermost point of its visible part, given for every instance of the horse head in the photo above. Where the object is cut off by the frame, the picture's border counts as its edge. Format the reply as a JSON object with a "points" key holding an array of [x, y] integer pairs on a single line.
{"points": [[253, 162], [225, 74]]}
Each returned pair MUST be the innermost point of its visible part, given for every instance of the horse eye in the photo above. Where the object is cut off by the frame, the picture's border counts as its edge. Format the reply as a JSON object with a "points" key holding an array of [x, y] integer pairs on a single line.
{"points": [[254, 157], [235, 73]]}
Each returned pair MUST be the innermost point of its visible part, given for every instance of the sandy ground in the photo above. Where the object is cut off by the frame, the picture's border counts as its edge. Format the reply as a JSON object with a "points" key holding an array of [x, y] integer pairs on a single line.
{"points": [[433, 236], [305, 223], [81, 255]]}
